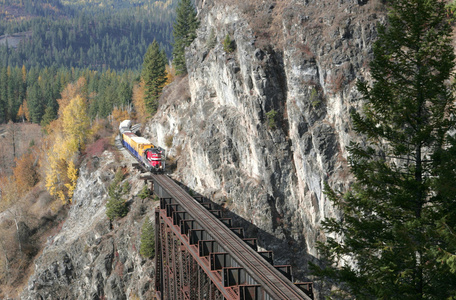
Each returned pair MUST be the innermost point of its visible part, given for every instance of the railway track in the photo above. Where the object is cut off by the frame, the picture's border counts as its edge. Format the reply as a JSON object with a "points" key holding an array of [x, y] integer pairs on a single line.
{"points": [[274, 283]]}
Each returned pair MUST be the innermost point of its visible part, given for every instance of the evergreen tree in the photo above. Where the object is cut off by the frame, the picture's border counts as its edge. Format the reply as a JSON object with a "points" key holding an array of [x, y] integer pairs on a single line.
{"points": [[228, 44], [116, 206], [147, 248], [35, 102], [154, 76], [125, 93], [399, 221], [49, 116], [3, 95], [145, 193], [184, 32], [211, 40]]}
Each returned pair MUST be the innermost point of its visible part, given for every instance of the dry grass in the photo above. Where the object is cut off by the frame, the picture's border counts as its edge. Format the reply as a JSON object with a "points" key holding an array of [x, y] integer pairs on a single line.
{"points": [[43, 219], [176, 92], [169, 140], [25, 135], [269, 18]]}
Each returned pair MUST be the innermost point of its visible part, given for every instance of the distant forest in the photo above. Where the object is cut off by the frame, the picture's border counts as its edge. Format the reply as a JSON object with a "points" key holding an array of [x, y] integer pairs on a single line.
{"points": [[33, 94], [99, 37], [58, 41]]}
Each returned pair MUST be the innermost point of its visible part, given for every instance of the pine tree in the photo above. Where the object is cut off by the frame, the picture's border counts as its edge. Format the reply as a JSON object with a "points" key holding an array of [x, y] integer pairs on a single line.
{"points": [[154, 76], [147, 248], [228, 44], [116, 206], [49, 116], [398, 228], [184, 32], [3, 95]]}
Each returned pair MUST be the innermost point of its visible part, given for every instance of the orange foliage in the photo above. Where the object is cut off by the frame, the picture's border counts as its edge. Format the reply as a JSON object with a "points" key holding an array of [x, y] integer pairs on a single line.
{"points": [[170, 74], [25, 173], [119, 114], [23, 112]]}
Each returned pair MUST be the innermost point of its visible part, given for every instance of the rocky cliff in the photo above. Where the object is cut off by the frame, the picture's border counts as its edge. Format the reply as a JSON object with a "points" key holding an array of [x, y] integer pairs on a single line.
{"points": [[259, 129], [262, 128], [90, 257]]}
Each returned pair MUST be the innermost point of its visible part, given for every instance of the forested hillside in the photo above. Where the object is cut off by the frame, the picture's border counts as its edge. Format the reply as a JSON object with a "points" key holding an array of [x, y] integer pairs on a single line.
{"points": [[97, 36], [32, 94], [47, 44], [77, 69]]}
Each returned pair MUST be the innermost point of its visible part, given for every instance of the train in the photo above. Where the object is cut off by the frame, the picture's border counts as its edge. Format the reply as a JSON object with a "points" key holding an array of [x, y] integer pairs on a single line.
{"points": [[151, 157]]}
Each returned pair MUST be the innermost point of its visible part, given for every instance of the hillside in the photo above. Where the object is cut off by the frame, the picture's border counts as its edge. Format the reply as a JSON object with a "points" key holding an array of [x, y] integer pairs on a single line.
{"points": [[20, 137], [95, 35], [259, 130]]}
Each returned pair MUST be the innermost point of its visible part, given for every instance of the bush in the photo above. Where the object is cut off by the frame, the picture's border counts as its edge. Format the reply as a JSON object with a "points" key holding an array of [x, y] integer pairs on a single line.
{"points": [[147, 248], [271, 117], [116, 207], [228, 44], [145, 193], [169, 140], [211, 40]]}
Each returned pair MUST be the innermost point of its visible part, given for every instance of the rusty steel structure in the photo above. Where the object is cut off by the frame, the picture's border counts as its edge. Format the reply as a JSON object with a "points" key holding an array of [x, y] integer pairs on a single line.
{"points": [[199, 255]]}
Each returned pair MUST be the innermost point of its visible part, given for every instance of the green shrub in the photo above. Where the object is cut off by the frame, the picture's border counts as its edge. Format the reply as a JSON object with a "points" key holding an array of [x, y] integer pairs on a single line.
{"points": [[145, 193], [271, 119], [147, 248], [116, 206], [211, 40], [228, 44]]}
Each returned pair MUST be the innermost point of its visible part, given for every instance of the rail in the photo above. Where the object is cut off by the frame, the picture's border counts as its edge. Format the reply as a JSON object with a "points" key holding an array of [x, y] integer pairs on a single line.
{"points": [[274, 283]]}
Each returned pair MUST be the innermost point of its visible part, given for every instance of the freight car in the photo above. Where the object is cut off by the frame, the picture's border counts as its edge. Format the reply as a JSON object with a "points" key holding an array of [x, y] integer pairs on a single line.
{"points": [[152, 158]]}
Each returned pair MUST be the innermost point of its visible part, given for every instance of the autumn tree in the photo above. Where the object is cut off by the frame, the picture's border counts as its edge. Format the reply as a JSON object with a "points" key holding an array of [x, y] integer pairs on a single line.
{"points": [[76, 124], [138, 101], [26, 172], [170, 74], [397, 236], [70, 133], [23, 112], [120, 114]]}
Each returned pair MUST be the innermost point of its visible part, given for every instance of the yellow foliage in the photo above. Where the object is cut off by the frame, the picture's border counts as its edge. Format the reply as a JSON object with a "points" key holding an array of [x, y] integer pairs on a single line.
{"points": [[72, 91], [170, 74], [119, 114], [23, 112], [72, 174], [70, 133], [138, 101], [76, 124]]}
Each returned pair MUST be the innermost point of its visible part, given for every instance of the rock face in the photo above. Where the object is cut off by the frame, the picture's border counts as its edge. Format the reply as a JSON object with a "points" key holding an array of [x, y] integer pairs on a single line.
{"points": [[264, 127], [259, 129], [90, 258]]}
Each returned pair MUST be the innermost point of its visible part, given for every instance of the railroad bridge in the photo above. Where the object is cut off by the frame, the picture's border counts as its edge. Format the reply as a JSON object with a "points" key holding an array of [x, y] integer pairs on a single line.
{"points": [[199, 255]]}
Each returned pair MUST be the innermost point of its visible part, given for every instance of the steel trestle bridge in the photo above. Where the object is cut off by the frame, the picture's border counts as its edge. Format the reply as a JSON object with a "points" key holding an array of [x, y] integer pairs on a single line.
{"points": [[200, 256]]}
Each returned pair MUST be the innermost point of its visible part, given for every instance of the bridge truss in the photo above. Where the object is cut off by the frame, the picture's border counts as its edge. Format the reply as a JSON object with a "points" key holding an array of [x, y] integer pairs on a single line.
{"points": [[199, 255]]}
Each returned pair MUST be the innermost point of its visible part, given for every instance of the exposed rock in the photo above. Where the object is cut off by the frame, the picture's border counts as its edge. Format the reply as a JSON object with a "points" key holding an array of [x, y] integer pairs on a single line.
{"points": [[272, 178], [269, 173], [90, 258]]}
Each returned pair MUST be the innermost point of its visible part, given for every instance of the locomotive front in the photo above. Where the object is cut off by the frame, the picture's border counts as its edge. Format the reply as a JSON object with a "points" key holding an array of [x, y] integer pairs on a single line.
{"points": [[151, 157]]}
